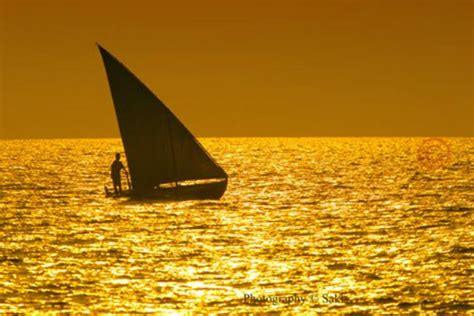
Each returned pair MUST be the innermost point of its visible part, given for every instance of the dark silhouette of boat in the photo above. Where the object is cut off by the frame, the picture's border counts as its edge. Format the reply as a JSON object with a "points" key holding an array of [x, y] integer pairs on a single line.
{"points": [[165, 160]]}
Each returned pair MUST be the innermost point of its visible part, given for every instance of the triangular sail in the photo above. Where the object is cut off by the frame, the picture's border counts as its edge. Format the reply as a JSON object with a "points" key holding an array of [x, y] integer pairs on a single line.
{"points": [[159, 148]]}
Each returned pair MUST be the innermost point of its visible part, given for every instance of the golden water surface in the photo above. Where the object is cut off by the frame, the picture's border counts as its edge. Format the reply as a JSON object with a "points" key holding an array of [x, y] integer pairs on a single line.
{"points": [[307, 225]]}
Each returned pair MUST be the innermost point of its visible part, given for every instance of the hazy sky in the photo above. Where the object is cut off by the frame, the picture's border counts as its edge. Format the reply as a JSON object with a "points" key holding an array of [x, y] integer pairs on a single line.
{"points": [[242, 68]]}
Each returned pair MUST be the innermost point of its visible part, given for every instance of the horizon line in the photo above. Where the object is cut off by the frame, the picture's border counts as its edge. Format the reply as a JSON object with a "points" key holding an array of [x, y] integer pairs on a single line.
{"points": [[254, 136]]}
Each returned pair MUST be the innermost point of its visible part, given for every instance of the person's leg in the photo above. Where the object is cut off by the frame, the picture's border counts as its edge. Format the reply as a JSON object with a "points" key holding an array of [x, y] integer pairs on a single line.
{"points": [[120, 187], [116, 187]]}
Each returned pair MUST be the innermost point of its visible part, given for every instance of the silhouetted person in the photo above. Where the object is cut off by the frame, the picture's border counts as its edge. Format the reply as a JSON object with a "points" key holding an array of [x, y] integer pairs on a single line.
{"points": [[116, 167]]}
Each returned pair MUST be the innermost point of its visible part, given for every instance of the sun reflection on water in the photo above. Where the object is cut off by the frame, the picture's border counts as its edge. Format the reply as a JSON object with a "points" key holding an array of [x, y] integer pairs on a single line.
{"points": [[349, 218]]}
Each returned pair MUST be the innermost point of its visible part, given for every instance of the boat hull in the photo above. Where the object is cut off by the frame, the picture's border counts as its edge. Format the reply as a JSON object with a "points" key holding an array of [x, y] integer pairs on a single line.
{"points": [[202, 191]]}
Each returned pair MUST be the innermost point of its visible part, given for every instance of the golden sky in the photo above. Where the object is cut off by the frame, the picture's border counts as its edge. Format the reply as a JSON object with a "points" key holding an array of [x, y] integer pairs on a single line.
{"points": [[242, 68]]}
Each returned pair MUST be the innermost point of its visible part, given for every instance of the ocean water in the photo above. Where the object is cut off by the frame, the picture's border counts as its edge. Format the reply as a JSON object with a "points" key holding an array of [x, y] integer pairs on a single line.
{"points": [[307, 225]]}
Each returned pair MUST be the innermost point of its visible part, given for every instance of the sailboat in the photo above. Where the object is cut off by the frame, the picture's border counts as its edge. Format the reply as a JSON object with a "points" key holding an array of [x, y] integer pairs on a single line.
{"points": [[165, 160]]}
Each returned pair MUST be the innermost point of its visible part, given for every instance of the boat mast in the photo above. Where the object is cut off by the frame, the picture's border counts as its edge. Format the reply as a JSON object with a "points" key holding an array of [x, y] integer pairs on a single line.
{"points": [[172, 150]]}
